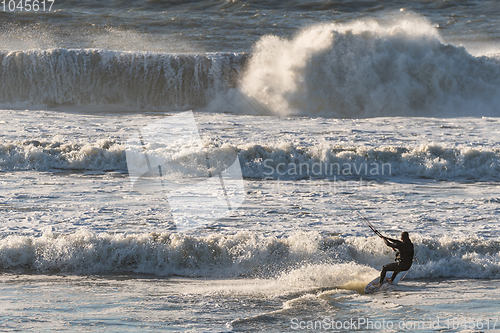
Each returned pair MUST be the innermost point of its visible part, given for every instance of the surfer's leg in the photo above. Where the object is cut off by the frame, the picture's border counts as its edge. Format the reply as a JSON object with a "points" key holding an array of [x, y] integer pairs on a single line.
{"points": [[391, 280], [382, 275], [385, 269]]}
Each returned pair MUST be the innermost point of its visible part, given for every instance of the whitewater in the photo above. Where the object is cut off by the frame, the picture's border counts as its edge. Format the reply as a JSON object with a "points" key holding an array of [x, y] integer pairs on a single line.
{"points": [[356, 70], [71, 213], [329, 109]]}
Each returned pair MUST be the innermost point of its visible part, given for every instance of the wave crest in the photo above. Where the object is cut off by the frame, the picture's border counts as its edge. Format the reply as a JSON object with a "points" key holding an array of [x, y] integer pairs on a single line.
{"points": [[279, 161], [245, 253], [371, 69], [129, 79]]}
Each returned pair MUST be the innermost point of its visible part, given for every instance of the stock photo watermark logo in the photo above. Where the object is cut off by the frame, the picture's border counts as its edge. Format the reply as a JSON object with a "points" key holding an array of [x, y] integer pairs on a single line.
{"points": [[167, 159]]}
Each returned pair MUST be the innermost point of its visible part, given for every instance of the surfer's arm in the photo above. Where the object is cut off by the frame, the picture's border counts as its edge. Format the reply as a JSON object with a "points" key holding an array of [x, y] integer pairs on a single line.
{"points": [[394, 243]]}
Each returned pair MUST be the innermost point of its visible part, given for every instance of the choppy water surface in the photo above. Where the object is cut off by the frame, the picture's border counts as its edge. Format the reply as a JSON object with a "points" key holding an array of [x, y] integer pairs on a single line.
{"points": [[331, 108]]}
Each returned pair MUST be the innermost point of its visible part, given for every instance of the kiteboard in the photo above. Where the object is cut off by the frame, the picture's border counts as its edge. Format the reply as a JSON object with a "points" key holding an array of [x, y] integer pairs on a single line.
{"points": [[374, 287]]}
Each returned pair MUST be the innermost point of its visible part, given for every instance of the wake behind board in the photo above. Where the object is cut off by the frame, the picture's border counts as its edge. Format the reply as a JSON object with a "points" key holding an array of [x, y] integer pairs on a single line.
{"points": [[373, 286]]}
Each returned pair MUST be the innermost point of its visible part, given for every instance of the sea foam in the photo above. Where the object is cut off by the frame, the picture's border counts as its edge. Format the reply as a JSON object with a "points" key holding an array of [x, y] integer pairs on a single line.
{"points": [[368, 68], [294, 258], [281, 160]]}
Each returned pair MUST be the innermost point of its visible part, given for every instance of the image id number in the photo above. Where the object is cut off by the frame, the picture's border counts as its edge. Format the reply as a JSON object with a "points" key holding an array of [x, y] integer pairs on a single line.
{"points": [[27, 5]]}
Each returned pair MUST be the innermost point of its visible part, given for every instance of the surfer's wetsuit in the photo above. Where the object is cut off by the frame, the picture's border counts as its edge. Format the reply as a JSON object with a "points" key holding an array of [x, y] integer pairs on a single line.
{"points": [[404, 257]]}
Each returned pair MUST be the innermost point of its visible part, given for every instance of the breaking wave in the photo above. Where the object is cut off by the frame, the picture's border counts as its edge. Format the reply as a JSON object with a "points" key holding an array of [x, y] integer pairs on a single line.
{"points": [[367, 68], [243, 254], [279, 161], [128, 79]]}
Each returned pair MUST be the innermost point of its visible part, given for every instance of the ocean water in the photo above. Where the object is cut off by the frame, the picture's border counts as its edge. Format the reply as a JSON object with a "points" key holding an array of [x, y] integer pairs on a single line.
{"points": [[206, 166]]}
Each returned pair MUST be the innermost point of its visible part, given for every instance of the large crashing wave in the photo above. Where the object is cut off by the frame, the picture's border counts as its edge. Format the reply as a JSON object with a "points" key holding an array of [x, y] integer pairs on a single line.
{"points": [[371, 69], [246, 253], [128, 79], [361, 69], [279, 161]]}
